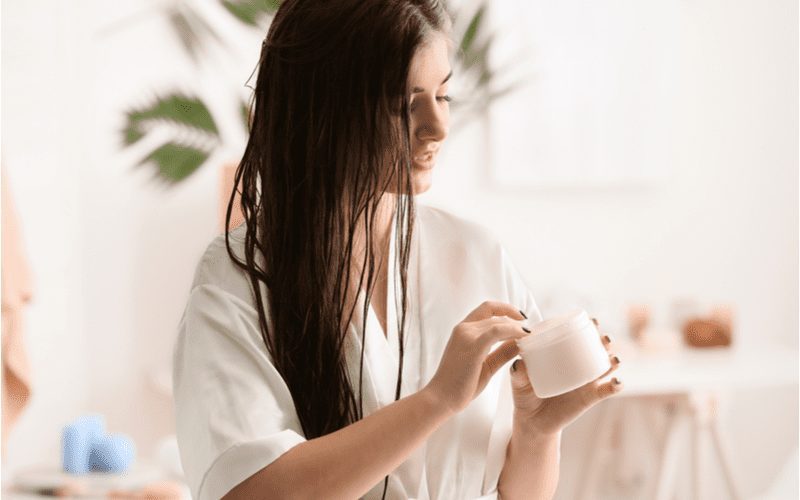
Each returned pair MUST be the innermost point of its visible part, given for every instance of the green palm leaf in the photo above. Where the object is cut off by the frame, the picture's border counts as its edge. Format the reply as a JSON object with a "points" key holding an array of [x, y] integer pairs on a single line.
{"points": [[176, 162], [251, 12], [474, 66], [472, 29], [193, 31], [191, 128], [177, 109], [478, 57]]}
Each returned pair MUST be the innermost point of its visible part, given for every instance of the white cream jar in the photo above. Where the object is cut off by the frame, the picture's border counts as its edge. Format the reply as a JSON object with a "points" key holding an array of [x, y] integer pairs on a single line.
{"points": [[563, 353]]}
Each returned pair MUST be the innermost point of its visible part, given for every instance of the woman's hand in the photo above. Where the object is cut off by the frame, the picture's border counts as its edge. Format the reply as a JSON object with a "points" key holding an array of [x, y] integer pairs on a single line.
{"points": [[551, 415], [467, 366]]}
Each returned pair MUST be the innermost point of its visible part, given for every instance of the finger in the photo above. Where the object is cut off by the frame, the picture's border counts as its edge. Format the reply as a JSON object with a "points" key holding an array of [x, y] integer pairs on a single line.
{"points": [[519, 375], [590, 386], [488, 323], [609, 388], [590, 394], [494, 308], [500, 356], [614, 359], [603, 337], [606, 343], [498, 331], [495, 360]]}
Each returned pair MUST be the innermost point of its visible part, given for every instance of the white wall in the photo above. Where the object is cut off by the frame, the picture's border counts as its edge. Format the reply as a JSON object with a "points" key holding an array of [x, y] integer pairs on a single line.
{"points": [[723, 226], [43, 152], [113, 254]]}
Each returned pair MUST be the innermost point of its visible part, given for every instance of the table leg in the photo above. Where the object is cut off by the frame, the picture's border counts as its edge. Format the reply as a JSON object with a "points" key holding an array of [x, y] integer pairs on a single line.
{"points": [[697, 460], [668, 460], [628, 475], [724, 462], [592, 464]]}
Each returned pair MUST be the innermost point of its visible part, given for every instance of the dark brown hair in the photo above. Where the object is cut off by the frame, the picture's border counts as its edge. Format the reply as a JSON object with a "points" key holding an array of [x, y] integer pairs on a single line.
{"points": [[329, 135]]}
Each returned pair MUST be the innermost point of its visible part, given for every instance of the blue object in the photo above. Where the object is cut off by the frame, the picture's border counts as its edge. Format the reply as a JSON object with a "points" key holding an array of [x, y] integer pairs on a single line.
{"points": [[86, 447], [112, 453], [77, 439]]}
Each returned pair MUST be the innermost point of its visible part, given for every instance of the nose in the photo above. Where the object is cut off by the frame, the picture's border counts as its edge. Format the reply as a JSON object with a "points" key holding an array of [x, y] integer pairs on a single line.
{"points": [[433, 124]]}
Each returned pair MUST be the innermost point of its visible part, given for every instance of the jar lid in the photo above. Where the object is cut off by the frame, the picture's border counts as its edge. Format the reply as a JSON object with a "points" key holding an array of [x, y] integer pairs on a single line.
{"points": [[553, 329]]}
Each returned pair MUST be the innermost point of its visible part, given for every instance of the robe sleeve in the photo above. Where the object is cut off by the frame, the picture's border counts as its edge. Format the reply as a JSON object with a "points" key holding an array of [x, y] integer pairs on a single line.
{"points": [[518, 293], [234, 412]]}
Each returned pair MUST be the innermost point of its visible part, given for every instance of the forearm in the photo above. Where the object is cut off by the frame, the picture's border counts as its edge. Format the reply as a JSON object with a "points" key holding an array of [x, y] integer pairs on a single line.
{"points": [[350, 461], [532, 465]]}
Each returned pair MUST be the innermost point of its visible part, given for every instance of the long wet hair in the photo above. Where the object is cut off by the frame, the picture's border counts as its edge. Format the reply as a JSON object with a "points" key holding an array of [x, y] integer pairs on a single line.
{"points": [[329, 135]]}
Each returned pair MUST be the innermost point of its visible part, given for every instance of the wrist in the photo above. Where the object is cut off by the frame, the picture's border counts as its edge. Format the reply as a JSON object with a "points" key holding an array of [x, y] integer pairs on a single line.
{"points": [[434, 403], [527, 428], [526, 439]]}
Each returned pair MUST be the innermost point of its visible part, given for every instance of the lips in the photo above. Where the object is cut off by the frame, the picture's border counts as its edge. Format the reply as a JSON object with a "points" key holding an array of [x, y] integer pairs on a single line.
{"points": [[425, 161]]}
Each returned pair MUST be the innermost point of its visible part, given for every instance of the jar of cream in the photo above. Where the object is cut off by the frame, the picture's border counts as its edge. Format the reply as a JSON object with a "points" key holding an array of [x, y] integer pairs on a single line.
{"points": [[563, 353]]}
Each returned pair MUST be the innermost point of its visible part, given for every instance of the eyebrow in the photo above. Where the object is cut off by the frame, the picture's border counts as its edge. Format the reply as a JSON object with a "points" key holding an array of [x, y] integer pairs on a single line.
{"points": [[417, 89]]}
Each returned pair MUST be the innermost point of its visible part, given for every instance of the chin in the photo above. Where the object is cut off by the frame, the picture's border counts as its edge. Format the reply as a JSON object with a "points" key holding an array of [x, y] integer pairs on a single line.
{"points": [[421, 182]]}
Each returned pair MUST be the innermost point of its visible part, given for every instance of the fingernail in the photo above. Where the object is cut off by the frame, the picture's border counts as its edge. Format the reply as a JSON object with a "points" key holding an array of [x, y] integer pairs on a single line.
{"points": [[616, 381], [607, 338], [526, 329], [523, 314], [594, 320], [616, 359], [514, 365]]}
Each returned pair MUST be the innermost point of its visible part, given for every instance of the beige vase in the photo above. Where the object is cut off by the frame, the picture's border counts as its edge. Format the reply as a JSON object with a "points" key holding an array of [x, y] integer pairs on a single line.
{"points": [[226, 188]]}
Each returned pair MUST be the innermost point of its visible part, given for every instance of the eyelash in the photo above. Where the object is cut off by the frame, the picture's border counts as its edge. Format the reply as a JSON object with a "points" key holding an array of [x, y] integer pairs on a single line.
{"points": [[445, 98]]}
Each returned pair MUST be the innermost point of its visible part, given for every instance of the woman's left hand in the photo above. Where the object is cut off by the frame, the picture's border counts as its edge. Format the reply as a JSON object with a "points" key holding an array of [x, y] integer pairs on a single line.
{"points": [[551, 415]]}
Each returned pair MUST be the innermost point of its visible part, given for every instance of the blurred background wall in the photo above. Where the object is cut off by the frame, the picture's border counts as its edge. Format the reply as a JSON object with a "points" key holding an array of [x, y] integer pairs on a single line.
{"points": [[112, 253]]}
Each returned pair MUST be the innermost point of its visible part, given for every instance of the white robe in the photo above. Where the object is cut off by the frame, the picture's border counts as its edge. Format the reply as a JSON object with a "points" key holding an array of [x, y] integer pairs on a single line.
{"points": [[235, 414]]}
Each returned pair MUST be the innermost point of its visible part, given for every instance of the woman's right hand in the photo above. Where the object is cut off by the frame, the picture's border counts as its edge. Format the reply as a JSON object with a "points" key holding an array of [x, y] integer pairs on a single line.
{"points": [[466, 365]]}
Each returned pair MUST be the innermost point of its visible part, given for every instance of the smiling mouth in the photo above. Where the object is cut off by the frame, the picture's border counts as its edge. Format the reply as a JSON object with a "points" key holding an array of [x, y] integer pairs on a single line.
{"points": [[424, 159]]}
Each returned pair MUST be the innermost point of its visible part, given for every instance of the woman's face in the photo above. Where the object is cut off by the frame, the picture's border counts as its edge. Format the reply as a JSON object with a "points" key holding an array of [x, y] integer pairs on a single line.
{"points": [[429, 109]]}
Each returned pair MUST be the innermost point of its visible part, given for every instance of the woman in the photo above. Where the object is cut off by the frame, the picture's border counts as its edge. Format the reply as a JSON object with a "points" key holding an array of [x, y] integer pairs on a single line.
{"points": [[338, 344]]}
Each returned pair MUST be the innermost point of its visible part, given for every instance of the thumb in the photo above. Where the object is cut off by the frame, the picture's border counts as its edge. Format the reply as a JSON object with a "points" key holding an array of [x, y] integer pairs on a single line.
{"points": [[525, 399], [520, 384]]}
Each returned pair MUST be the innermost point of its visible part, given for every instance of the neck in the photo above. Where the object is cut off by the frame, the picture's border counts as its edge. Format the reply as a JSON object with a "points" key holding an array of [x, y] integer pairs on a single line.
{"points": [[382, 228], [380, 233], [380, 236]]}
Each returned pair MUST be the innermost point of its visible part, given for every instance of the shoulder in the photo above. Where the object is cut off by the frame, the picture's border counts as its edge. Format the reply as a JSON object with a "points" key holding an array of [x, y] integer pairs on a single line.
{"points": [[216, 267], [221, 307]]}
